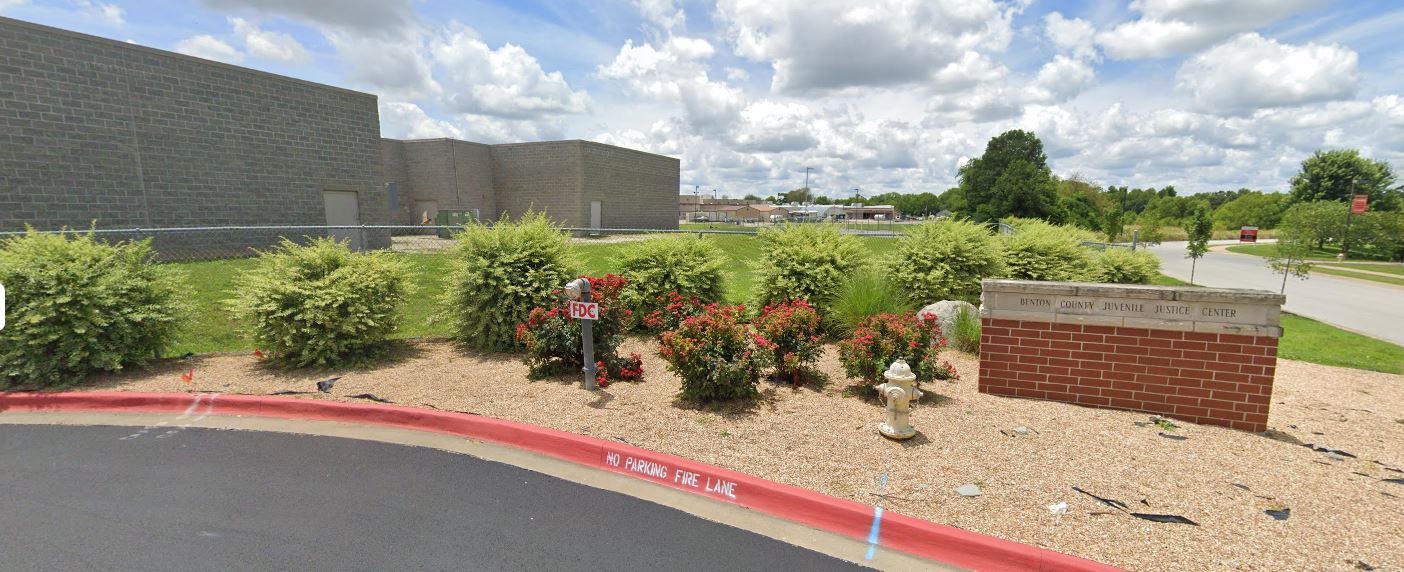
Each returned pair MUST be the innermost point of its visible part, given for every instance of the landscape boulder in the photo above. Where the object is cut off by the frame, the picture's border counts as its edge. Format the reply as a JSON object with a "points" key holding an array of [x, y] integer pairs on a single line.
{"points": [[946, 312]]}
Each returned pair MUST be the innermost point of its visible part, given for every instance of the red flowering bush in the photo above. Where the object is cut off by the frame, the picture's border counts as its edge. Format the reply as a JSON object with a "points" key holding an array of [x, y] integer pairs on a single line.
{"points": [[790, 332], [552, 340], [673, 308], [715, 354], [882, 339]]}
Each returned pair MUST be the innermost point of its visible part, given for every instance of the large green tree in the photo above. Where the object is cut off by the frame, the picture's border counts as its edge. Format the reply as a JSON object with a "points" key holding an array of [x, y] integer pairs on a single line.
{"points": [[1337, 174], [800, 195], [1253, 208], [1011, 179]]}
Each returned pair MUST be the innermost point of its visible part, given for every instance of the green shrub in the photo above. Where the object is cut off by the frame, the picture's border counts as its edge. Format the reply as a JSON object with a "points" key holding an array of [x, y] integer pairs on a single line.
{"points": [[1041, 251], [686, 265], [866, 293], [552, 339], [500, 273], [322, 304], [966, 334], [1122, 266], [790, 332], [715, 354], [882, 339], [944, 260], [806, 262], [76, 305]]}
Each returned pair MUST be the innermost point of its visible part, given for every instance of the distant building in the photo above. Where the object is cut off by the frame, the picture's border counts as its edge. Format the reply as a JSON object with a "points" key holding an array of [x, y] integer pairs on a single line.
{"points": [[761, 213], [870, 212], [134, 137]]}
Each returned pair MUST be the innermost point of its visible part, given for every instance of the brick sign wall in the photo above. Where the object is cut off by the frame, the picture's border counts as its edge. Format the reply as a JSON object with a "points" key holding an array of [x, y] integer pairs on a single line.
{"points": [[1199, 354]]}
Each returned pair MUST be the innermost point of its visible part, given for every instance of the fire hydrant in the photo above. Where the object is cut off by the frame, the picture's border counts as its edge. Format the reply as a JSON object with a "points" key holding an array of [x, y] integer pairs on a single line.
{"points": [[899, 392]]}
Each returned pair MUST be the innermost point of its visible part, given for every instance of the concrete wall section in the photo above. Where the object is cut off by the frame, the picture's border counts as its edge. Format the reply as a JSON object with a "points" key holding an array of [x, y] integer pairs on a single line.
{"points": [[129, 136], [636, 189], [543, 176]]}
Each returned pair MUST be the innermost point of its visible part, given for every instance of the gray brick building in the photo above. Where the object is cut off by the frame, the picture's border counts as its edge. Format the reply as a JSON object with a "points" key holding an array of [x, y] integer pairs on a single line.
{"points": [[93, 129]]}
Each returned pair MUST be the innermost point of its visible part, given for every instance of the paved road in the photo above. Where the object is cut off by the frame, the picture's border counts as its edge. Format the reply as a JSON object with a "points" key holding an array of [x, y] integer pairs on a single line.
{"points": [[83, 498], [1373, 309]]}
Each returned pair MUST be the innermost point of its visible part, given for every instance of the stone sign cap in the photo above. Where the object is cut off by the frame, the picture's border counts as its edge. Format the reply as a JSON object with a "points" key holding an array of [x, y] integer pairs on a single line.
{"points": [[1184, 308]]}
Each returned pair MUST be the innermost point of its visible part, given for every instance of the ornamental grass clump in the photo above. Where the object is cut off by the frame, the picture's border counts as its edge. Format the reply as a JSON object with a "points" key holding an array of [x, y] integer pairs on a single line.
{"points": [[552, 339], [790, 332], [868, 292], [717, 356], [1123, 266], [882, 339], [322, 304], [76, 305], [500, 273], [670, 265], [806, 262], [944, 260], [1041, 251]]}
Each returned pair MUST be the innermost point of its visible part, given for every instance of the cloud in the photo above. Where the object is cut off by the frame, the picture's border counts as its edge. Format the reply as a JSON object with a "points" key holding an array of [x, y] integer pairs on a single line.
{"points": [[1252, 72], [505, 82], [111, 13], [363, 16], [665, 14], [1170, 27], [1070, 36], [269, 45], [406, 120], [210, 48], [826, 45], [397, 68], [9, 4]]}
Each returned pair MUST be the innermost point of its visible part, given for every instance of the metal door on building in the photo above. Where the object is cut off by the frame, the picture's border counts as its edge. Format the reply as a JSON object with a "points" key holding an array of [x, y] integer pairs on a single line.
{"points": [[343, 209], [596, 209], [426, 212]]}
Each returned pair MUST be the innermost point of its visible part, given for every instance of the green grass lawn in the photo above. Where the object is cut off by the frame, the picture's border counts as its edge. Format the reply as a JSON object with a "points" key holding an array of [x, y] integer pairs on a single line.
{"points": [[1385, 268], [1332, 270], [1308, 340], [1327, 254]]}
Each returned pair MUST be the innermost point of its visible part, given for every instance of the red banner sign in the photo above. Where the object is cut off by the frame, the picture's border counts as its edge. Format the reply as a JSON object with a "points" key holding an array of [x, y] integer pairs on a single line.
{"points": [[1358, 203]]}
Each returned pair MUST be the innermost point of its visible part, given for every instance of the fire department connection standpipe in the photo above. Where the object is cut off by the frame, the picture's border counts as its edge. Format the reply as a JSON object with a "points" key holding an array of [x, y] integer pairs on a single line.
{"points": [[899, 392], [579, 289]]}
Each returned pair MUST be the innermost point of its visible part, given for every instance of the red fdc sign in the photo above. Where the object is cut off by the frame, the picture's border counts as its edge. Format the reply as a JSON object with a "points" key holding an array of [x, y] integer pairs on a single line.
{"points": [[584, 310], [1358, 203]]}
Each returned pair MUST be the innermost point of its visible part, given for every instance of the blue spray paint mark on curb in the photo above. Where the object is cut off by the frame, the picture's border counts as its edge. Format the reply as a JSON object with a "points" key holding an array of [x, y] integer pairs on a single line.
{"points": [[877, 520], [873, 533]]}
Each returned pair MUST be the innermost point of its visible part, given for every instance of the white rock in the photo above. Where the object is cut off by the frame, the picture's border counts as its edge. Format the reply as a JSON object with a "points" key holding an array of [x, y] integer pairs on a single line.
{"points": [[1060, 508], [968, 490], [946, 312]]}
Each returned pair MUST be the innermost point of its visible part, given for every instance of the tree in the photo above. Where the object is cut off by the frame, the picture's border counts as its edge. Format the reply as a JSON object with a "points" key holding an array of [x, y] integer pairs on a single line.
{"points": [[822, 200], [1336, 175], [1011, 178], [1200, 229], [1112, 225], [751, 198], [770, 199], [1317, 222], [1288, 257], [954, 199], [798, 196], [1263, 210]]}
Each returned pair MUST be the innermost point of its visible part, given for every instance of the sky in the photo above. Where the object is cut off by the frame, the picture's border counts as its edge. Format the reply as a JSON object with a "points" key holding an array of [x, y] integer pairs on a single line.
{"points": [[872, 97]]}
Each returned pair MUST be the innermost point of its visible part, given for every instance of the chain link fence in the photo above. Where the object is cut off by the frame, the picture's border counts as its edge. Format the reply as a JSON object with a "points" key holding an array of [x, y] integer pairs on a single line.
{"points": [[192, 244]]}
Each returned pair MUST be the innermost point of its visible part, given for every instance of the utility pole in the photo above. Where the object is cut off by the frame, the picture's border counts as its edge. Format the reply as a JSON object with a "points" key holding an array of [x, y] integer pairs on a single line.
{"points": [[697, 204]]}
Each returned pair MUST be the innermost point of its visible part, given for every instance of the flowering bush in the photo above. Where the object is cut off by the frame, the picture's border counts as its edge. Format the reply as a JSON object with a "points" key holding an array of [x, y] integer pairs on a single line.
{"points": [[882, 339], [673, 308], [715, 354], [552, 339], [790, 331]]}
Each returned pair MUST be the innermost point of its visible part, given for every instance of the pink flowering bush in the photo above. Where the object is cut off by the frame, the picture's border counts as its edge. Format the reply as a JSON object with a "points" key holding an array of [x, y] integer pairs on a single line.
{"points": [[882, 339], [715, 353], [673, 308], [552, 339], [790, 332]]}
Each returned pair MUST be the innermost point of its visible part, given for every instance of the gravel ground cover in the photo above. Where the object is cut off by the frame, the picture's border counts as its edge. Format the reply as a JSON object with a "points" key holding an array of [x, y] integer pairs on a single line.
{"points": [[1343, 513]]}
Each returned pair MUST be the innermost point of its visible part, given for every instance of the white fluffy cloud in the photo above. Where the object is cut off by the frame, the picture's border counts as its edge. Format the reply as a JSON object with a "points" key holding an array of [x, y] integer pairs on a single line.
{"points": [[1070, 35], [1169, 27], [1251, 72], [504, 82], [820, 45], [107, 11], [269, 45], [210, 48]]}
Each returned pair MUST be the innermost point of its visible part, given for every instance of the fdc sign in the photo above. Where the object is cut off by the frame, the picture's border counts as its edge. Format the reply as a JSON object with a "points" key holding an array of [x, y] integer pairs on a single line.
{"points": [[584, 310]]}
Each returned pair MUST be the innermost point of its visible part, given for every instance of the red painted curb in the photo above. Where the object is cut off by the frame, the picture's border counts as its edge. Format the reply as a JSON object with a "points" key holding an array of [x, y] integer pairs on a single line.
{"points": [[929, 540]]}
